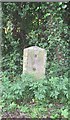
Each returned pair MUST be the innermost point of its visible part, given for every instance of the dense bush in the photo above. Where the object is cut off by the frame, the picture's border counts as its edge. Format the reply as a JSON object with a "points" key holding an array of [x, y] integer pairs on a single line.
{"points": [[27, 24], [45, 25], [28, 88]]}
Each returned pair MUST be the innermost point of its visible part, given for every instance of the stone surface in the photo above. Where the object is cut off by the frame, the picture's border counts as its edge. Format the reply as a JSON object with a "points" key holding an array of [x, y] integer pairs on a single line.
{"points": [[34, 61]]}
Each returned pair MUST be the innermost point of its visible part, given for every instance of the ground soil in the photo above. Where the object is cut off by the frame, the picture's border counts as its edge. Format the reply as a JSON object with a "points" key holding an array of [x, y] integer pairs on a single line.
{"points": [[15, 114]]}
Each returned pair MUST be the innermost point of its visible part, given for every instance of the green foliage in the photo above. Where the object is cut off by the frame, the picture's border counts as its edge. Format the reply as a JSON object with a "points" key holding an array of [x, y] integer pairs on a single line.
{"points": [[34, 111], [64, 112], [28, 24], [45, 25], [58, 87], [29, 89]]}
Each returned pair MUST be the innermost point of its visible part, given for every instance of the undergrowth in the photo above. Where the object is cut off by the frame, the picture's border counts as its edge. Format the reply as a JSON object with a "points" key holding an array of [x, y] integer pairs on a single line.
{"points": [[36, 98]]}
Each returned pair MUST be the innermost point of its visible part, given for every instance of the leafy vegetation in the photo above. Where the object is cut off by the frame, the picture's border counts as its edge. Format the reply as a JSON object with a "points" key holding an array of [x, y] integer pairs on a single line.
{"points": [[35, 24], [35, 96], [46, 25]]}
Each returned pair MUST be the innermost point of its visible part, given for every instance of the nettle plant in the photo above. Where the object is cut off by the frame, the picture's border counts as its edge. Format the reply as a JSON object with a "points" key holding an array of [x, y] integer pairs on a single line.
{"points": [[58, 87], [27, 88]]}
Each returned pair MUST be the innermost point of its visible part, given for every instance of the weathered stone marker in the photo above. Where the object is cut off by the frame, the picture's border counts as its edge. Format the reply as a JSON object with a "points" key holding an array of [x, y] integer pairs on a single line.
{"points": [[34, 61]]}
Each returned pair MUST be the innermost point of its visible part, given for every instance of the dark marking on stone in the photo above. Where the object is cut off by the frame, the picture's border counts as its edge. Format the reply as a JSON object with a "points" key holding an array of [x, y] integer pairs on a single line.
{"points": [[34, 69], [35, 55]]}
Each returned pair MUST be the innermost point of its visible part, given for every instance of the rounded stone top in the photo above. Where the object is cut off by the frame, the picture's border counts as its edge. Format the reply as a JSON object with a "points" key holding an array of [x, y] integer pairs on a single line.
{"points": [[34, 48]]}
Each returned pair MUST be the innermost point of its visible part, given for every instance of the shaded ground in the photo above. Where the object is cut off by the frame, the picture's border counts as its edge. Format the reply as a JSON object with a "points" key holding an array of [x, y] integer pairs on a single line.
{"points": [[18, 114], [15, 114]]}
